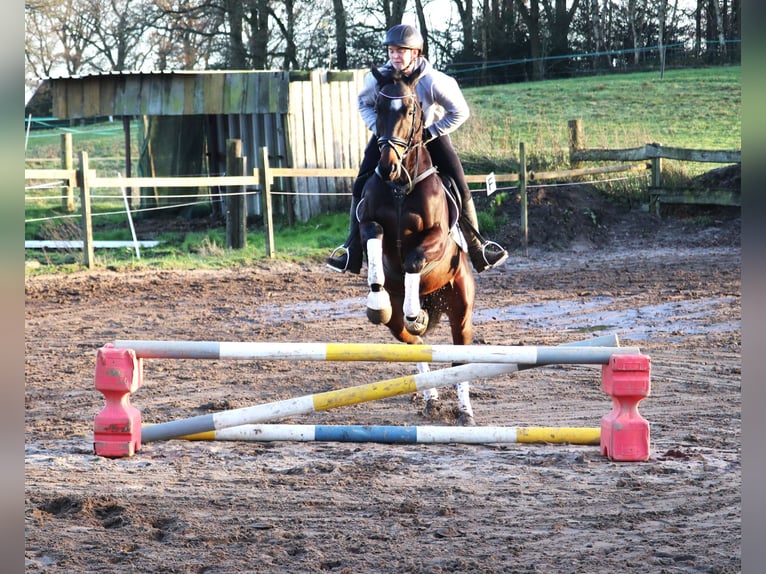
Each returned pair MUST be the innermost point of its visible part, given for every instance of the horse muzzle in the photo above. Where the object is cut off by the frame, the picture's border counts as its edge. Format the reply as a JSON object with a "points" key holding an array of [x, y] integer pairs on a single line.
{"points": [[389, 165]]}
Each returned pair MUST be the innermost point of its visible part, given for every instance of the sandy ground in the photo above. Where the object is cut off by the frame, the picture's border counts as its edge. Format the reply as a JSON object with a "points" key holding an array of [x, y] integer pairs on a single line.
{"points": [[670, 288]]}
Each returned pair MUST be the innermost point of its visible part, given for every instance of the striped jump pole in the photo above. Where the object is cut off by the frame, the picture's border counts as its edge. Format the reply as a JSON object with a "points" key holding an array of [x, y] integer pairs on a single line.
{"points": [[379, 352], [351, 395], [402, 434], [323, 401], [119, 372]]}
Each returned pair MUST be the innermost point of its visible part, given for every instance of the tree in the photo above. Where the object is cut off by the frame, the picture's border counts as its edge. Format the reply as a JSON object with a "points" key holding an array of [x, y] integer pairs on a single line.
{"points": [[531, 17], [559, 19], [114, 30], [465, 12], [341, 34]]}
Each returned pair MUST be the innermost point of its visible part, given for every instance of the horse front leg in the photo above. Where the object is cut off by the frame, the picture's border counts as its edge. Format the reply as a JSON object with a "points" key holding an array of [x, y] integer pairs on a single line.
{"points": [[379, 308], [415, 317]]}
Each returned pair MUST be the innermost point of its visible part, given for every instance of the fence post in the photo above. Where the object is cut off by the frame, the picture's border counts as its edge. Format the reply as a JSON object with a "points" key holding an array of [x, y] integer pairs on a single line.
{"points": [[268, 221], [523, 196], [236, 208], [87, 221], [657, 169], [576, 141], [66, 163]]}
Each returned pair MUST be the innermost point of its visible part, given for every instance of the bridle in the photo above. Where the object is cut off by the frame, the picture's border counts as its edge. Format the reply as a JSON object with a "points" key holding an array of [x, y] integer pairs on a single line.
{"points": [[394, 142], [402, 147]]}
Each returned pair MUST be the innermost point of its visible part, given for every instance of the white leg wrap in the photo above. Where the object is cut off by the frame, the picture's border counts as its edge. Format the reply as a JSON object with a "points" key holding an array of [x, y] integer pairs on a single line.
{"points": [[411, 294], [428, 394], [463, 400], [375, 275]]}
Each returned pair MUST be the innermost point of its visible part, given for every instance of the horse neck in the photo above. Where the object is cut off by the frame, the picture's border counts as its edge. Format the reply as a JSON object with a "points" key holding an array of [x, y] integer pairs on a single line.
{"points": [[417, 160]]}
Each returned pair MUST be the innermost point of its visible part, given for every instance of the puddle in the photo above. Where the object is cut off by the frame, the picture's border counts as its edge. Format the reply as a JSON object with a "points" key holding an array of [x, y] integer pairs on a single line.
{"points": [[596, 314], [637, 323]]}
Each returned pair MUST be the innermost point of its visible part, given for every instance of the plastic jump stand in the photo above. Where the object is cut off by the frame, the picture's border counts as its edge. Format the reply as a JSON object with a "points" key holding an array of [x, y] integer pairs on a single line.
{"points": [[624, 432], [117, 428]]}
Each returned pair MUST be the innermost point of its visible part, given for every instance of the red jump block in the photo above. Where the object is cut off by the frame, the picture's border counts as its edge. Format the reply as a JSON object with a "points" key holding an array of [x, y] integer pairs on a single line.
{"points": [[117, 428], [624, 432]]}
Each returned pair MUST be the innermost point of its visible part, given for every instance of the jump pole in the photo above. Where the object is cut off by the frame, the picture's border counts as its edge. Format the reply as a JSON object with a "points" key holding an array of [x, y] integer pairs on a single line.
{"points": [[119, 372], [401, 434], [379, 352], [323, 401], [348, 396]]}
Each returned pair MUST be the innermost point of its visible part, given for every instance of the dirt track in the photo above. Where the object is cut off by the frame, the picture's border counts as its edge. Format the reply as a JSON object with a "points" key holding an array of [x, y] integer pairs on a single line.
{"points": [[342, 507]]}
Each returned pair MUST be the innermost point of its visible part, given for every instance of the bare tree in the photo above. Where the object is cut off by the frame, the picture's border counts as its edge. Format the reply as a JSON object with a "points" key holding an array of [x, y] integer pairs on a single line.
{"points": [[186, 36], [41, 46], [394, 11], [341, 33], [115, 31], [465, 12], [531, 17], [559, 19]]}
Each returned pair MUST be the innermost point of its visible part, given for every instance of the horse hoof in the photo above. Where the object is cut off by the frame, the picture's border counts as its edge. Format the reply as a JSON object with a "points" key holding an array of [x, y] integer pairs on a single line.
{"points": [[379, 307], [466, 420], [432, 408], [417, 325], [379, 316]]}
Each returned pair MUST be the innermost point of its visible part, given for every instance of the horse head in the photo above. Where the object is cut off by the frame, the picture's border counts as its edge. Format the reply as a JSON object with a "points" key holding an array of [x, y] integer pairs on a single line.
{"points": [[399, 123]]}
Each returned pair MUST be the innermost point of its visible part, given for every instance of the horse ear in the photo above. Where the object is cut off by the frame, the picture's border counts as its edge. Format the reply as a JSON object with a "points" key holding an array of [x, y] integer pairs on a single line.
{"points": [[413, 80], [377, 73]]}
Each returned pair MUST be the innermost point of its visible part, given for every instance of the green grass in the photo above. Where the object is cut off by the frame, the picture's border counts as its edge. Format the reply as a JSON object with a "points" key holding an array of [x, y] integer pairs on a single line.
{"points": [[692, 108]]}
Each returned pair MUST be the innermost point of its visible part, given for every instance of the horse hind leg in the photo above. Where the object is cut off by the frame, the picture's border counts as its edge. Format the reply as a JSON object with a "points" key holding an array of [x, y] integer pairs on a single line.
{"points": [[430, 396], [465, 410]]}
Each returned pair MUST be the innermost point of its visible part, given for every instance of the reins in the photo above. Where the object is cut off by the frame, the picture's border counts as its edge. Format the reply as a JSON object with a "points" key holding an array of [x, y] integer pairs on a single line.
{"points": [[400, 192]]}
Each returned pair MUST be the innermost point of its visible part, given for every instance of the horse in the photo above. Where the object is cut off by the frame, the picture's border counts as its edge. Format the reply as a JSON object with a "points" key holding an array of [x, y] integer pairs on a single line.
{"points": [[417, 267]]}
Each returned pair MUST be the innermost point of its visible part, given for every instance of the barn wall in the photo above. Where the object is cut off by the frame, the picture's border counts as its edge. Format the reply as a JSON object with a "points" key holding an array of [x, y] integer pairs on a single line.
{"points": [[304, 119]]}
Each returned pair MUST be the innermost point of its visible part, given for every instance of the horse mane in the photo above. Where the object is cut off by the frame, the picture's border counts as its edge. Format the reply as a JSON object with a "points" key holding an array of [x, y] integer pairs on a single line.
{"points": [[386, 77]]}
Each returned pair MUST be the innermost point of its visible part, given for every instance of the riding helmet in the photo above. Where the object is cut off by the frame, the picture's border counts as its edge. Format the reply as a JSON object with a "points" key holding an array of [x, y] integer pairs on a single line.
{"points": [[404, 36]]}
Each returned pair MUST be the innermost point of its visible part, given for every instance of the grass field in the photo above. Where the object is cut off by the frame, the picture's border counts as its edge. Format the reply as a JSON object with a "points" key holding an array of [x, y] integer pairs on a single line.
{"points": [[691, 108]]}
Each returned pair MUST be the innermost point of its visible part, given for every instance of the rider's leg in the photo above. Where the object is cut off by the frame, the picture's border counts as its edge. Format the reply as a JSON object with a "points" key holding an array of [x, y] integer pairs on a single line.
{"points": [[445, 158], [349, 255]]}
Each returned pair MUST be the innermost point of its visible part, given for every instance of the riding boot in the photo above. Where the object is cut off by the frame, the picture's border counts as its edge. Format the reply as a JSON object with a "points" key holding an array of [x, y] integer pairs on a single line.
{"points": [[484, 254], [349, 255]]}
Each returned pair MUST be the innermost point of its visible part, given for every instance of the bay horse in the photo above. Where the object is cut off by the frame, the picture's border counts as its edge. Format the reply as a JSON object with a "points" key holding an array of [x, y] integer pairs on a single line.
{"points": [[417, 269]]}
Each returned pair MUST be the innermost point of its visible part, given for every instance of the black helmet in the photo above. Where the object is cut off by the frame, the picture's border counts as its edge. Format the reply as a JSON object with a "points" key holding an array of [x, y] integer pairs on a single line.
{"points": [[404, 36]]}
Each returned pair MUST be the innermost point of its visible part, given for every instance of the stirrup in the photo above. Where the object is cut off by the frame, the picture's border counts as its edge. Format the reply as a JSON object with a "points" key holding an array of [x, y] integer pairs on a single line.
{"points": [[494, 246], [343, 252]]}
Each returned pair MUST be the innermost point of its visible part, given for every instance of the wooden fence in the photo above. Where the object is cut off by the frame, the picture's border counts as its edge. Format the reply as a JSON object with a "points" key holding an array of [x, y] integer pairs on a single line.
{"points": [[648, 157], [655, 153]]}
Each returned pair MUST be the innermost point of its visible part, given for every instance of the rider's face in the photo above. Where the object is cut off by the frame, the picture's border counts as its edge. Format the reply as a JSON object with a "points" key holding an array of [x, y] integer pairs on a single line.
{"points": [[402, 58]]}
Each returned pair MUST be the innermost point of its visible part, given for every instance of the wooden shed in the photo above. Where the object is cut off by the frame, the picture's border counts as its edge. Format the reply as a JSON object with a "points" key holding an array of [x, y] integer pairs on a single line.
{"points": [[305, 119]]}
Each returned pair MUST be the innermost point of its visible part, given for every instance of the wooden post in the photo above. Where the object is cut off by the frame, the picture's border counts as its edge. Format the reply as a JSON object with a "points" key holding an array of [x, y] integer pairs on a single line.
{"points": [[236, 208], [657, 169], [150, 154], [523, 194], [268, 221], [134, 193], [576, 141], [66, 162], [87, 221]]}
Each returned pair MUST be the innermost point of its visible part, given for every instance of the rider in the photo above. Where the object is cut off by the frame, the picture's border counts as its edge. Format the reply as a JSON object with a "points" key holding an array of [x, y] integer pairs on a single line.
{"points": [[445, 109]]}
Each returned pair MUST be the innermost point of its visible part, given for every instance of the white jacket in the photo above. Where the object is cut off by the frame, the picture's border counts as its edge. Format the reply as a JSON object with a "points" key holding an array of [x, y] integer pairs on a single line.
{"points": [[444, 106]]}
